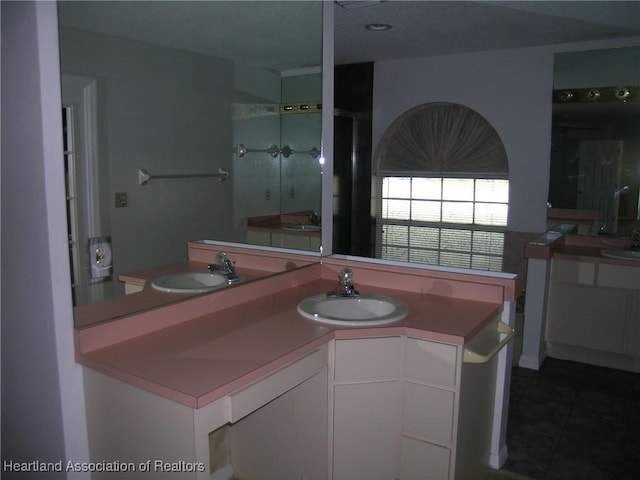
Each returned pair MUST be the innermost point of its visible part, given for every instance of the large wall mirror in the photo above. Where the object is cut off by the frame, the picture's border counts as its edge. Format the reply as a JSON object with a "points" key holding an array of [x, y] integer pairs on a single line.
{"points": [[416, 53], [186, 121], [595, 154]]}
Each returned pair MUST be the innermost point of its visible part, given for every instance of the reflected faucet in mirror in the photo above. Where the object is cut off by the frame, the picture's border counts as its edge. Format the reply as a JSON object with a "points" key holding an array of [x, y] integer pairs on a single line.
{"points": [[225, 267]]}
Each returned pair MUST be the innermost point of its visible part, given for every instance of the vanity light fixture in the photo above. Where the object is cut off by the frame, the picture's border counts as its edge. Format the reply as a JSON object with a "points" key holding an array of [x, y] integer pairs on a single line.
{"points": [[593, 94], [565, 96], [377, 27], [622, 93]]}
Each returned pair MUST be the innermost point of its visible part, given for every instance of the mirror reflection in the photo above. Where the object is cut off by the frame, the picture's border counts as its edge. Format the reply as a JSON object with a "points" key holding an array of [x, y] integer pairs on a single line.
{"points": [[595, 154], [479, 64], [185, 121]]}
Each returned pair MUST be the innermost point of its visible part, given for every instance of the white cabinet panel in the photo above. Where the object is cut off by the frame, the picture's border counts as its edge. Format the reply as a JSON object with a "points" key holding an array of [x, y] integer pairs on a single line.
{"points": [[365, 428], [285, 439], [594, 307], [368, 358], [423, 461], [574, 272], [619, 276], [430, 362], [587, 317], [428, 412]]}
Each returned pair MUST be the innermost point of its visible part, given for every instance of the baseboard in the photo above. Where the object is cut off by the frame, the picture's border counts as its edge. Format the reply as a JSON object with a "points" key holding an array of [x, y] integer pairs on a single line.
{"points": [[497, 461], [532, 363]]}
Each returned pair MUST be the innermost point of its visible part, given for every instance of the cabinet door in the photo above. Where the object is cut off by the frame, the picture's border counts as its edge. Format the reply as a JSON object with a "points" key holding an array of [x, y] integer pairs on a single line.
{"points": [[366, 409], [365, 431]]}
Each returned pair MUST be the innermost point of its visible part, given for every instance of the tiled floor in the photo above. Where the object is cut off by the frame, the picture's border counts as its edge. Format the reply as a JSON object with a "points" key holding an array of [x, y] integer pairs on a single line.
{"points": [[572, 421]]}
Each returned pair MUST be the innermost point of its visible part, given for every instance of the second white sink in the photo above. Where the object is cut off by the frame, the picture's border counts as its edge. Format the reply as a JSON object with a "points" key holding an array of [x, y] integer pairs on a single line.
{"points": [[622, 254], [360, 310], [189, 282]]}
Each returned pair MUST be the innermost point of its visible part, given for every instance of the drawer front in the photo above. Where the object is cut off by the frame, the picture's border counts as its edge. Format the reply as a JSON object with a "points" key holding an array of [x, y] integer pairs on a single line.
{"points": [[430, 362], [428, 412], [261, 392], [368, 359]]}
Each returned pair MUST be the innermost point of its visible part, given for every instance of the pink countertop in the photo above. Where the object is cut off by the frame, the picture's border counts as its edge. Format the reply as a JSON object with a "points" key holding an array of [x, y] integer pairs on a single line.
{"points": [[251, 330], [583, 248]]}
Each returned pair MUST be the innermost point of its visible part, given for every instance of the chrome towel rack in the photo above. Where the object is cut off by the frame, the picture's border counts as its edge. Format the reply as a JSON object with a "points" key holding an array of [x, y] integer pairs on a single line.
{"points": [[145, 177], [286, 151], [241, 150]]}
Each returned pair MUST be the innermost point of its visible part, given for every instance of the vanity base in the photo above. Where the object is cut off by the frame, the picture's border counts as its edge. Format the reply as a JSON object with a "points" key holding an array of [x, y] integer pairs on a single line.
{"points": [[629, 363]]}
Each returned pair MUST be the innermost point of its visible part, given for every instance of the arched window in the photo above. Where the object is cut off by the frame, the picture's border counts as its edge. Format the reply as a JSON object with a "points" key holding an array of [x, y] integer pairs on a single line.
{"points": [[442, 189]]}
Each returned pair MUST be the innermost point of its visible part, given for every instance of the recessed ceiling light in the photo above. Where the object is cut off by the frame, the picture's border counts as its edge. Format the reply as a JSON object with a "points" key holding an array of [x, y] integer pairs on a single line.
{"points": [[378, 27]]}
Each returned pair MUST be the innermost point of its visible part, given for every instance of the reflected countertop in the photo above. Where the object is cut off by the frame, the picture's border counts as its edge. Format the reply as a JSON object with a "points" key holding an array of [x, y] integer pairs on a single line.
{"points": [[585, 248]]}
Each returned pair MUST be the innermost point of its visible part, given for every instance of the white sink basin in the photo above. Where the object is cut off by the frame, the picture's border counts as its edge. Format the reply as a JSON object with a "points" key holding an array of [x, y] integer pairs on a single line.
{"points": [[189, 282], [622, 254], [361, 310]]}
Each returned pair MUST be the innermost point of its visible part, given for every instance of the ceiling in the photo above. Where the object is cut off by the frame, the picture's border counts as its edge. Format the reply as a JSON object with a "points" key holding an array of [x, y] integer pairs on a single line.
{"points": [[278, 35], [426, 28]]}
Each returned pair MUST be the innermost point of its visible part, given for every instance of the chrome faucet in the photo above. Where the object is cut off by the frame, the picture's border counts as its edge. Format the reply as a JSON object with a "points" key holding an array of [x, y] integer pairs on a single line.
{"points": [[346, 287], [224, 266]]}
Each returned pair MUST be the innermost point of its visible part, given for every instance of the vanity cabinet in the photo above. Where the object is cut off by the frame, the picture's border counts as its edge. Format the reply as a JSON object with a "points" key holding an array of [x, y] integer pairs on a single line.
{"points": [[594, 313], [397, 412], [274, 427]]}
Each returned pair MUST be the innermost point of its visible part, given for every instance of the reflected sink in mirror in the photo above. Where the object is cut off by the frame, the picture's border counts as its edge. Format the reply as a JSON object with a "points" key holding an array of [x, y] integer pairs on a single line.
{"points": [[360, 310], [301, 227], [189, 282], [622, 254]]}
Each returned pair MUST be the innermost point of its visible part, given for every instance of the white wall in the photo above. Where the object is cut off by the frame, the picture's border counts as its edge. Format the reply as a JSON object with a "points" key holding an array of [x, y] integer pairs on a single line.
{"points": [[510, 88], [42, 400]]}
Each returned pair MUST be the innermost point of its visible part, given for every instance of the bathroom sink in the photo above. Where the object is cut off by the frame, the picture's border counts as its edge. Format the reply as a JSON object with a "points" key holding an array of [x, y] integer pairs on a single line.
{"points": [[360, 310], [622, 254], [189, 282], [302, 227]]}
